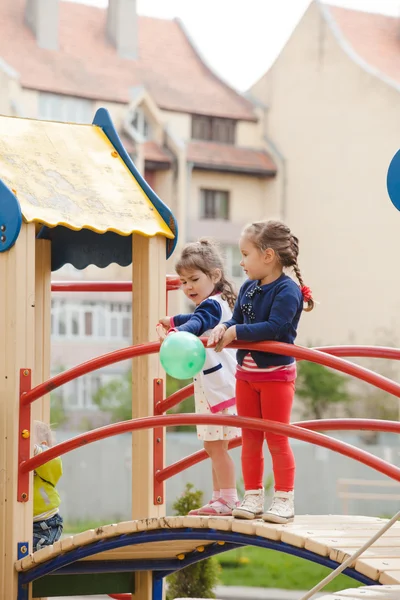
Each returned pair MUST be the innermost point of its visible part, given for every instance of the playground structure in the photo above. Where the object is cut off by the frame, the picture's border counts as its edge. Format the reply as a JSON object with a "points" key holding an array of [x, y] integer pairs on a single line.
{"points": [[57, 182]]}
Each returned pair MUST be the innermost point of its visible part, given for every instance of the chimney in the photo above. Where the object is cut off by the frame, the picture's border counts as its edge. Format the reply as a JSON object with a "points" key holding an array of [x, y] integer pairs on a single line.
{"points": [[42, 17], [122, 27]]}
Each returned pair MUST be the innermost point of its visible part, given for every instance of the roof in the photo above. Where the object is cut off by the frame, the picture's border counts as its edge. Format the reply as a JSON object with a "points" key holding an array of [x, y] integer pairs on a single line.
{"points": [[373, 37], [225, 157], [153, 152], [87, 65], [70, 178]]}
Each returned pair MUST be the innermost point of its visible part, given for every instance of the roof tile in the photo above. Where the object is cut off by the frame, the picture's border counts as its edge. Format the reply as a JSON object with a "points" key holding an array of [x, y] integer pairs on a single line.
{"points": [[87, 65], [230, 158], [374, 37]]}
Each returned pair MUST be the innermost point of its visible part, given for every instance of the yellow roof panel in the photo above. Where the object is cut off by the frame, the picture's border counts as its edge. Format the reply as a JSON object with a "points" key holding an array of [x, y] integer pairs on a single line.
{"points": [[71, 175]]}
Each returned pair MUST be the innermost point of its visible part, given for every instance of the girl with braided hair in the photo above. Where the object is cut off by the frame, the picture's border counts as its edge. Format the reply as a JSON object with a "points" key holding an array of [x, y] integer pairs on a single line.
{"points": [[201, 271], [268, 308]]}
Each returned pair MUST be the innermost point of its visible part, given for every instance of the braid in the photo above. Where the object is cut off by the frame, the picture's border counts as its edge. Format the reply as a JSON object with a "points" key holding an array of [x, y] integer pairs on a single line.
{"points": [[277, 235], [227, 291], [294, 244], [310, 302]]}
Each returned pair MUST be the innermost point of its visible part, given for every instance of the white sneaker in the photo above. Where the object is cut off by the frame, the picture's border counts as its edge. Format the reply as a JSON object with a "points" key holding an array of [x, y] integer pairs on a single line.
{"points": [[252, 505], [281, 509]]}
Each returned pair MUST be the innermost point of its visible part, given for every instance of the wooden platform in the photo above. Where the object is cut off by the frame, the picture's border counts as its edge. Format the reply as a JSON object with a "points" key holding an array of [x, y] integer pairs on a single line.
{"points": [[378, 592], [336, 537]]}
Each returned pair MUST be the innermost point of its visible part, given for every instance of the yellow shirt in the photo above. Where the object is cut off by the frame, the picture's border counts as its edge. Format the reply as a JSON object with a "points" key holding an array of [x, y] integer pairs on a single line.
{"points": [[45, 496]]}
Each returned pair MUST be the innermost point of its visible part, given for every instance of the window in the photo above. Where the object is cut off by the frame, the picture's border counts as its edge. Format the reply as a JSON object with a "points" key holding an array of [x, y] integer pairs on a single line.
{"points": [[81, 320], [213, 129], [140, 123], [88, 323], [214, 204], [55, 107]]}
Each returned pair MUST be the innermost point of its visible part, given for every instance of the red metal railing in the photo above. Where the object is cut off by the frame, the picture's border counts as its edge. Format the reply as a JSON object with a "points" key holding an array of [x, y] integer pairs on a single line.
{"points": [[173, 283], [291, 431], [323, 357], [320, 425]]}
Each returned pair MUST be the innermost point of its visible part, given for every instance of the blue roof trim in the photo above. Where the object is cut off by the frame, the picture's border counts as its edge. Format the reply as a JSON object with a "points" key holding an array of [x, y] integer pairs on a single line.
{"points": [[10, 218], [85, 247], [102, 119], [393, 180]]}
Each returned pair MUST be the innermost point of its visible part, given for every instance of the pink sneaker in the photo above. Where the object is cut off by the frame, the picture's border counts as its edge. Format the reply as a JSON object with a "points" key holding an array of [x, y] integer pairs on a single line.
{"points": [[219, 508], [198, 511]]}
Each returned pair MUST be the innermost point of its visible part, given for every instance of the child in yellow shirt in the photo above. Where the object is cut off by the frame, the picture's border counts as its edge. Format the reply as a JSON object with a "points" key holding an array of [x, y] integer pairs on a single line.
{"points": [[47, 522]]}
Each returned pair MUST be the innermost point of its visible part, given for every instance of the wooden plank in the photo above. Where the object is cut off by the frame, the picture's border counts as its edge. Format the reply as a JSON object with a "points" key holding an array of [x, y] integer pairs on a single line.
{"points": [[366, 593], [148, 305], [41, 372], [299, 538], [391, 577], [326, 546], [17, 343], [156, 549], [374, 567]]}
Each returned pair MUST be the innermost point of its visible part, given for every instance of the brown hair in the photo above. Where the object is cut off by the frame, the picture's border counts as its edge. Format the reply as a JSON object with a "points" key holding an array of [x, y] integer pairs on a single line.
{"points": [[204, 255], [278, 237]]}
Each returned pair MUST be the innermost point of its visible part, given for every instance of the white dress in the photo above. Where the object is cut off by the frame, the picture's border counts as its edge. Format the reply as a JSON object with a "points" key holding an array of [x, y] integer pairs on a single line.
{"points": [[214, 386]]}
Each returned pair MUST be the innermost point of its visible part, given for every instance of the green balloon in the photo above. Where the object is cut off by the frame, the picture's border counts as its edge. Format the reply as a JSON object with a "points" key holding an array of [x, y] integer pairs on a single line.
{"points": [[182, 355]]}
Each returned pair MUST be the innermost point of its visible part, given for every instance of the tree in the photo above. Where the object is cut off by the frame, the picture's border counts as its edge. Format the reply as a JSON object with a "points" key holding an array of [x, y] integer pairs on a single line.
{"points": [[115, 398], [320, 389], [199, 579], [58, 414], [370, 401]]}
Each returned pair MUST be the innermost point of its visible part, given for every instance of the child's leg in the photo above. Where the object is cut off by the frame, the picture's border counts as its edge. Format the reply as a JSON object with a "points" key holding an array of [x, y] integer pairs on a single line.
{"points": [[216, 489], [222, 463], [248, 404], [224, 472], [276, 404], [47, 532]]}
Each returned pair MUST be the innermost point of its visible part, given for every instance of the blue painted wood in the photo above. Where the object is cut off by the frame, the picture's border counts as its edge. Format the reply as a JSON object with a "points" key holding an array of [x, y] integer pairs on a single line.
{"points": [[102, 119], [10, 218], [393, 180]]}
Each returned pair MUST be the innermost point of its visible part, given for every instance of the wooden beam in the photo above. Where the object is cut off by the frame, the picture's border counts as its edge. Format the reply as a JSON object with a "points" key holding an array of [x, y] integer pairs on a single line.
{"points": [[148, 305], [41, 408], [17, 347]]}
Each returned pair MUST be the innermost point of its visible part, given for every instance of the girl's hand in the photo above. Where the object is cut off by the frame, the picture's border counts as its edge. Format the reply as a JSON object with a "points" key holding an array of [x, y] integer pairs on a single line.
{"points": [[216, 335], [161, 332], [165, 322], [228, 337]]}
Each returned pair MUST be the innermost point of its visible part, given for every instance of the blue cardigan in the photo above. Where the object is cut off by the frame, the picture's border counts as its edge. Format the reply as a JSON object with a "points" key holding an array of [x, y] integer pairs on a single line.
{"points": [[268, 312]]}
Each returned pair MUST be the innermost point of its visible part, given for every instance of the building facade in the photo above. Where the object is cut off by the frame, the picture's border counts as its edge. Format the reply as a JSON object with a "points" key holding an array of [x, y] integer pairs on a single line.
{"points": [[331, 103], [198, 142]]}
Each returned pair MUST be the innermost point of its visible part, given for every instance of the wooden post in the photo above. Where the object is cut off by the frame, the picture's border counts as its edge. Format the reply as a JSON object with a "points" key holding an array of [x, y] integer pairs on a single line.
{"points": [[41, 408], [148, 304], [17, 346], [41, 372]]}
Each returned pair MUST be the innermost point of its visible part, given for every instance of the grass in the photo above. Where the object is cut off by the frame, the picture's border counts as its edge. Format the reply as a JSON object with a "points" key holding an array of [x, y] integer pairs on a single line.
{"points": [[257, 567]]}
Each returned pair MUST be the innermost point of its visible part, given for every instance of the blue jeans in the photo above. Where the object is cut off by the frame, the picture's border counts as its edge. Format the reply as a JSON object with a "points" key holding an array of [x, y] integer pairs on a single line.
{"points": [[47, 532]]}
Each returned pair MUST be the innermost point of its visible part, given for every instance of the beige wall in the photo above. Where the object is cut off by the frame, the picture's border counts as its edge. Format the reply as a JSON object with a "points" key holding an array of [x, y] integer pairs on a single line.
{"points": [[180, 124], [338, 128], [249, 134]]}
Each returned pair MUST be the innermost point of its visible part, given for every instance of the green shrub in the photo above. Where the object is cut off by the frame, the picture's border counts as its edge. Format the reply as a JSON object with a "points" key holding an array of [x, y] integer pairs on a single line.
{"points": [[197, 580]]}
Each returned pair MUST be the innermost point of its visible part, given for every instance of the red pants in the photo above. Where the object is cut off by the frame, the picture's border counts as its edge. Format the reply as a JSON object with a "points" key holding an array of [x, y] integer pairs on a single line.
{"points": [[270, 400]]}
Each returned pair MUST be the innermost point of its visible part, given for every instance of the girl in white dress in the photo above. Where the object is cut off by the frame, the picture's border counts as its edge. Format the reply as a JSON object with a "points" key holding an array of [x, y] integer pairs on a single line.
{"points": [[201, 271]]}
